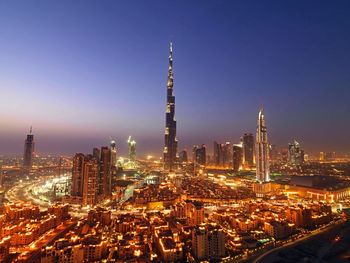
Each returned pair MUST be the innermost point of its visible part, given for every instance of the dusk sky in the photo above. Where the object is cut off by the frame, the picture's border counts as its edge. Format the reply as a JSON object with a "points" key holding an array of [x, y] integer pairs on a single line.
{"points": [[82, 72]]}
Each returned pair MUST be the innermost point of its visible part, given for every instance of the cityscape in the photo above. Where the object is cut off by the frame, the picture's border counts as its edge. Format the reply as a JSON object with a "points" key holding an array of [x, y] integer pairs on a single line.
{"points": [[231, 199]]}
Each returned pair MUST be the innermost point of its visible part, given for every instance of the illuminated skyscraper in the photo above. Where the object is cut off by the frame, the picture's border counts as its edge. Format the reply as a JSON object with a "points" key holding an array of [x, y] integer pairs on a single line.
{"points": [[262, 151], [248, 150], [28, 152], [170, 144], [113, 153], [132, 149], [295, 154]]}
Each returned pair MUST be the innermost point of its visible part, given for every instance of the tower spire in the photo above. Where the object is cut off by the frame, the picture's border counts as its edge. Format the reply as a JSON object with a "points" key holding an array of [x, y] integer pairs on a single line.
{"points": [[30, 130], [170, 142]]}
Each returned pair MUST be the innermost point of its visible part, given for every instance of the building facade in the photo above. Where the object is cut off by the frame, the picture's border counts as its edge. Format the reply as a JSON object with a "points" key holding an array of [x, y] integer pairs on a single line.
{"points": [[262, 150], [28, 152], [237, 154], [170, 141], [200, 154], [295, 154], [248, 150]]}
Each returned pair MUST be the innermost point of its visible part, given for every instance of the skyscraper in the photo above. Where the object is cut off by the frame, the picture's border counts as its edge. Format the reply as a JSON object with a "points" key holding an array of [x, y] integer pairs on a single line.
{"points": [[113, 153], [236, 157], [295, 153], [105, 180], [132, 149], [170, 144], [90, 184], [28, 152], [262, 150], [183, 157], [226, 154], [78, 175], [200, 154], [248, 150], [222, 154], [217, 153]]}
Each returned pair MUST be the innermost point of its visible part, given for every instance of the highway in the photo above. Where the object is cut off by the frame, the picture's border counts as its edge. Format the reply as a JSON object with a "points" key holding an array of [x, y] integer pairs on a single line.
{"points": [[264, 257], [23, 191]]}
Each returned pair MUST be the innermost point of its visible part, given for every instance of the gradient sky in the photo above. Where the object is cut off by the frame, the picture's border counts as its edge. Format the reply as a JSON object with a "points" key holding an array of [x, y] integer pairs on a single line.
{"points": [[81, 72]]}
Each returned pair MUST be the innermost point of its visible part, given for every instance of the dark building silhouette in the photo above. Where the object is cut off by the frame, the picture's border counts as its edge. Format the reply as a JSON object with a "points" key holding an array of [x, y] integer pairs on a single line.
{"points": [[183, 157], [248, 150], [237, 154], [222, 154], [28, 152], [170, 144], [105, 180], [77, 175], [217, 153], [90, 182], [200, 154]]}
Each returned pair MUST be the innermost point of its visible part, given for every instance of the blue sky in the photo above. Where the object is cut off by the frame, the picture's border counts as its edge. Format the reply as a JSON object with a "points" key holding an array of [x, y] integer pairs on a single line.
{"points": [[81, 72]]}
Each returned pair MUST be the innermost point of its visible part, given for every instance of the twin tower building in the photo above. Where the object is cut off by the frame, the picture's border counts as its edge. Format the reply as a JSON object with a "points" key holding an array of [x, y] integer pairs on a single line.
{"points": [[170, 141]]}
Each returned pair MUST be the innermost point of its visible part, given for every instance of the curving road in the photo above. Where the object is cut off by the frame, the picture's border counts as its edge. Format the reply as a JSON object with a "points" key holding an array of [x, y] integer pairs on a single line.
{"points": [[265, 256]]}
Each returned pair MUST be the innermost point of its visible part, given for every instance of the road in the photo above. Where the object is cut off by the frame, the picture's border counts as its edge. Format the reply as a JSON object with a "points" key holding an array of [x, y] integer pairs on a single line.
{"points": [[264, 257]]}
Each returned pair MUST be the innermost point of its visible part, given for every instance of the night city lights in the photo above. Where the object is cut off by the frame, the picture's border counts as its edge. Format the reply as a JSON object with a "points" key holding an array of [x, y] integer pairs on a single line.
{"points": [[174, 131]]}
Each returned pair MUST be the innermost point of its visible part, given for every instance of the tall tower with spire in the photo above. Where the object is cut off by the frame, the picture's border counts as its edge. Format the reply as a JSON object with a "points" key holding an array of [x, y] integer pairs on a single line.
{"points": [[170, 143], [262, 150], [28, 152]]}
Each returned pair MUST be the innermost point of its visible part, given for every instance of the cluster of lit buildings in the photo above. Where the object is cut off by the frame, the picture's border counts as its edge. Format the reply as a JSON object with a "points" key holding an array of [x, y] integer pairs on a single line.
{"points": [[92, 175], [206, 220], [23, 225]]}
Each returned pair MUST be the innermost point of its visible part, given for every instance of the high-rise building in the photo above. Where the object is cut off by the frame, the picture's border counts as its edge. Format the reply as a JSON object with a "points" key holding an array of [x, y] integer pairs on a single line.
{"points": [[322, 156], [200, 154], [183, 158], [170, 144], [262, 150], [113, 153], [237, 154], [90, 180], [248, 150], [92, 176], [96, 153], [28, 152], [217, 154], [200, 243], [132, 149], [105, 180], [78, 175], [216, 243], [226, 154], [208, 242], [1, 177], [295, 154]]}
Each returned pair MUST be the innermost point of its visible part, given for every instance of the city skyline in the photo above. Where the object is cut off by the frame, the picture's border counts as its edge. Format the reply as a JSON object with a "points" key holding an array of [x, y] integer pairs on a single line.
{"points": [[174, 131], [74, 105]]}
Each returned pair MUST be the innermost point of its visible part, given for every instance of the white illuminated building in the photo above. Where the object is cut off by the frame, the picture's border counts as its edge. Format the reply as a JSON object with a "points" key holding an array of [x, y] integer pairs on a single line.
{"points": [[262, 151]]}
